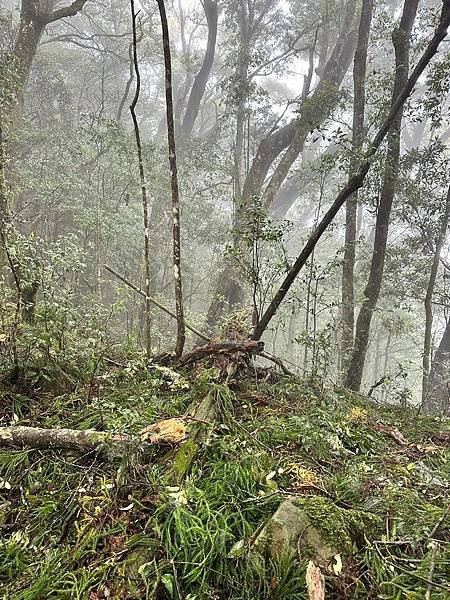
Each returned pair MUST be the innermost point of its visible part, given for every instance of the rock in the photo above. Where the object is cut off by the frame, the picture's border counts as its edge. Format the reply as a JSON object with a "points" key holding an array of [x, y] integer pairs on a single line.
{"points": [[289, 528]]}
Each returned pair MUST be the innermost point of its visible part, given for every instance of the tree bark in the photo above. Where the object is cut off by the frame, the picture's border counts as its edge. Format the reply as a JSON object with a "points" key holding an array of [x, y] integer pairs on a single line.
{"points": [[201, 79], [359, 102], [400, 38], [429, 298], [357, 180], [181, 331]]}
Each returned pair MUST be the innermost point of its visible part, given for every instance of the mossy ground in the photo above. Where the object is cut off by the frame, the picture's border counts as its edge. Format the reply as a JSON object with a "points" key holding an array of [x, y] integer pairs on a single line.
{"points": [[84, 527]]}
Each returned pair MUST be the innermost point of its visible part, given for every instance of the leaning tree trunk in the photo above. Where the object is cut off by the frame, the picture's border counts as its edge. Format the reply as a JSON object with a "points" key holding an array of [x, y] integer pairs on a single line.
{"points": [[201, 79], [429, 298], [400, 38], [323, 101], [348, 266]]}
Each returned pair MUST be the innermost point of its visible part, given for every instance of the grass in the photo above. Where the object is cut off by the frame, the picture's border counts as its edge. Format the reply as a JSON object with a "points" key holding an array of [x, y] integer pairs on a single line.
{"points": [[79, 527]]}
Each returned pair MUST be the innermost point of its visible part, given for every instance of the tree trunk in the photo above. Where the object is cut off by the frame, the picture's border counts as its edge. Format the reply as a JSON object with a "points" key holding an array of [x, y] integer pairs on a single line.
{"points": [[63, 439], [400, 38], [359, 76], [438, 398], [291, 136], [181, 332], [145, 211], [315, 110]]}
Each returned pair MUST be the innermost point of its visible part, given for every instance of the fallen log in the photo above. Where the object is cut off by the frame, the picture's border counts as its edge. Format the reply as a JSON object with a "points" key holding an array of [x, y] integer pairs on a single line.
{"points": [[168, 358], [168, 431], [62, 439]]}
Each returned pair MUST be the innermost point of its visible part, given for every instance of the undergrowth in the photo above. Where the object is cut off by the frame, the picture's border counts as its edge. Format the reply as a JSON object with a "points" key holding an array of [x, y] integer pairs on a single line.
{"points": [[85, 527]]}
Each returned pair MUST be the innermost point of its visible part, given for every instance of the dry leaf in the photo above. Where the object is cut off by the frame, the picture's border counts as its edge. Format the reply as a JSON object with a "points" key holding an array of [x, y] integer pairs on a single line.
{"points": [[168, 431], [392, 432], [315, 582]]}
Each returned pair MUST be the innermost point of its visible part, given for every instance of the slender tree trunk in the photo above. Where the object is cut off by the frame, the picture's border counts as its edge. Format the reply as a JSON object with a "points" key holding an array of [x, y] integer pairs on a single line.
{"points": [[428, 300], [359, 87], [181, 334], [148, 341], [401, 39], [356, 181]]}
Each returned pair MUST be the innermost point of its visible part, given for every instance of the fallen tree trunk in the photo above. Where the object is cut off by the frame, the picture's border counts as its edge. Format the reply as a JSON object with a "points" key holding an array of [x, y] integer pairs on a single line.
{"points": [[62, 439]]}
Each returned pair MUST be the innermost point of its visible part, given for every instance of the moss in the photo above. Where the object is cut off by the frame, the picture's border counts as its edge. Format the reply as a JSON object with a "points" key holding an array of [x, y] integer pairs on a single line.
{"points": [[340, 528], [182, 461]]}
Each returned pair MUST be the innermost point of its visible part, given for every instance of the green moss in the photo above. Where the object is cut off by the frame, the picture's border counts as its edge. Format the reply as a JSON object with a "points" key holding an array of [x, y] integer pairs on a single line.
{"points": [[182, 462], [341, 528]]}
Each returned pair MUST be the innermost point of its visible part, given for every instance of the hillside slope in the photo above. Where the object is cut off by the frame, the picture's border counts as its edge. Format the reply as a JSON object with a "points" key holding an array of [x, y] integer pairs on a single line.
{"points": [[372, 482]]}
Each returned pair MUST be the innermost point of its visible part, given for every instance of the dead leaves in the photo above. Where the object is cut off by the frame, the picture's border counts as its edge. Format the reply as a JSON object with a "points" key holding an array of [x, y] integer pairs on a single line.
{"points": [[168, 431]]}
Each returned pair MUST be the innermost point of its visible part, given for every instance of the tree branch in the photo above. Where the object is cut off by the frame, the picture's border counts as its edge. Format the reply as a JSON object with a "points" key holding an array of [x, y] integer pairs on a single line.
{"points": [[66, 11]]}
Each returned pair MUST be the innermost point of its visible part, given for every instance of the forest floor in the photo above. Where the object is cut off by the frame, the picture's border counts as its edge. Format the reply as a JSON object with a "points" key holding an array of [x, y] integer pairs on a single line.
{"points": [[373, 480]]}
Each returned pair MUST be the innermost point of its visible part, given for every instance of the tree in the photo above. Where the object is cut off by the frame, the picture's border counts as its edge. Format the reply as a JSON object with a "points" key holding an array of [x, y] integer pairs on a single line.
{"points": [[359, 101], [401, 41], [173, 182], [229, 291], [201, 79], [430, 395], [35, 15]]}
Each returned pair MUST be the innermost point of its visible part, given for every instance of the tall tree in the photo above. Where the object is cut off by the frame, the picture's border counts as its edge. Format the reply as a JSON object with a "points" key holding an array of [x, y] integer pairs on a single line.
{"points": [[143, 183], [173, 182], [359, 102], [401, 41], [229, 288], [35, 15]]}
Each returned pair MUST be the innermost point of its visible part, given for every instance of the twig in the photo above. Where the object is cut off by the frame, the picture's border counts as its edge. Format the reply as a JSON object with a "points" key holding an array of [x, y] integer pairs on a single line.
{"points": [[434, 547], [377, 384], [441, 520], [155, 302]]}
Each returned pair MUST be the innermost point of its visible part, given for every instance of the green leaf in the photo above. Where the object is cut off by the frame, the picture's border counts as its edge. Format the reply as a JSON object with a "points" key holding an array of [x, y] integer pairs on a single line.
{"points": [[167, 581]]}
